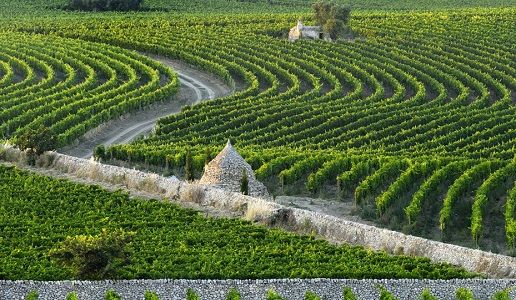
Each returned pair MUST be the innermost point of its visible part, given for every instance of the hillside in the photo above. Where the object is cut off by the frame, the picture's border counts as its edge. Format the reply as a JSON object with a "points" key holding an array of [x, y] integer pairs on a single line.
{"points": [[410, 119]]}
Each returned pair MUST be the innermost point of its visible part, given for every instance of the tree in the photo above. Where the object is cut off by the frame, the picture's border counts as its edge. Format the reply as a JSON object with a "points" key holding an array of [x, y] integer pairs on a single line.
{"points": [[35, 142], [99, 153], [207, 153], [244, 183], [94, 257], [332, 17], [189, 166], [105, 5]]}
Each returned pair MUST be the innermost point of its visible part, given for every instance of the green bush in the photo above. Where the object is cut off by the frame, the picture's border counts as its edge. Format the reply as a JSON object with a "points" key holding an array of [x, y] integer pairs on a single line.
{"points": [[427, 296], [233, 295], [463, 294], [502, 295], [347, 294], [311, 296], [72, 296], [33, 295], [94, 257], [111, 295], [272, 295], [150, 296], [385, 294], [191, 295]]}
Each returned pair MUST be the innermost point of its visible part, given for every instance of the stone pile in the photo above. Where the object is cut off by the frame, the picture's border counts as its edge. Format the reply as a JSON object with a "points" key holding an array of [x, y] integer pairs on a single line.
{"points": [[225, 171]]}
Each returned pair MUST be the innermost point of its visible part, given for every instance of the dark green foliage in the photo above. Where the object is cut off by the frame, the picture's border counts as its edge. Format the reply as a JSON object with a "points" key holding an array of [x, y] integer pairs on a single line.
{"points": [[189, 171], [463, 294], [191, 295], [207, 153], [244, 183], [347, 294], [105, 5], [150, 296], [112, 295], [72, 296], [272, 295], [311, 296], [427, 295], [35, 142], [33, 295], [36, 212], [385, 294], [94, 257], [502, 295], [99, 153], [233, 295], [332, 17]]}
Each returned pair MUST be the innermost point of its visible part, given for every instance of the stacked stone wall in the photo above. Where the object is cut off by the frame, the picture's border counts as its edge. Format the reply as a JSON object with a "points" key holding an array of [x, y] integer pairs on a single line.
{"points": [[289, 289], [334, 229]]}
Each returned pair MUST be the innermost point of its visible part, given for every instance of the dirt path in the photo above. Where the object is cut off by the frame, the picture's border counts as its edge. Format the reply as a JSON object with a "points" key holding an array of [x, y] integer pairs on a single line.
{"points": [[196, 86]]}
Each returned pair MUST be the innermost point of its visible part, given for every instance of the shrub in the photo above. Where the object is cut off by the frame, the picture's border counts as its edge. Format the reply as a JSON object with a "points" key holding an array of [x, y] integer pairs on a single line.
{"points": [[385, 294], [191, 295], [99, 153], [347, 294], [311, 296], [244, 183], [427, 296], [33, 295], [72, 296], [150, 296], [463, 294], [94, 257], [233, 295], [272, 295], [111, 295], [35, 142], [189, 172]]}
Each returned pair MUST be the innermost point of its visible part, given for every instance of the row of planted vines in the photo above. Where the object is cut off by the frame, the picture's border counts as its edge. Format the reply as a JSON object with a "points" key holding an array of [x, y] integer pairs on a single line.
{"points": [[38, 213], [413, 118]]}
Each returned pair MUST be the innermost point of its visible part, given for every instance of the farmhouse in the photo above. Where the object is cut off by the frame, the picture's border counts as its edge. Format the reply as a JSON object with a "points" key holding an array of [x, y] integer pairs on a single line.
{"points": [[225, 172], [306, 32]]}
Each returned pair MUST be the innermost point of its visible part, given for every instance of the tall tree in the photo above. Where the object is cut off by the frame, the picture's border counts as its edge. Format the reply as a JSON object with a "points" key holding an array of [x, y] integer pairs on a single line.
{"points": [[332, 17], [244, 183]]}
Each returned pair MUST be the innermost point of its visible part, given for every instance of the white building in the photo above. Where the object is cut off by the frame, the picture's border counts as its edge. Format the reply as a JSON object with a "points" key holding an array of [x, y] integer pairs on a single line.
{"points": [[307, 32]]}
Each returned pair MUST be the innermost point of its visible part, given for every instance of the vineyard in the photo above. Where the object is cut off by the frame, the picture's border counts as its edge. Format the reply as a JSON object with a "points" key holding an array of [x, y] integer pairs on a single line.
{"points": [[39, 212], [411, 118]]}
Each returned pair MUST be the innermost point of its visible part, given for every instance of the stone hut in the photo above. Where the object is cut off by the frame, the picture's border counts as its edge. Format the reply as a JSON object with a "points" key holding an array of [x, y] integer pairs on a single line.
{"points": [[306, 32], [225, 172]]}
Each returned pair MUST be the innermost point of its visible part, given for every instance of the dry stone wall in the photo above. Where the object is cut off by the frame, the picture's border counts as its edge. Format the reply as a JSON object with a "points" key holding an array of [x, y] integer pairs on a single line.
{"points": [[331, 228], [289, 289]]}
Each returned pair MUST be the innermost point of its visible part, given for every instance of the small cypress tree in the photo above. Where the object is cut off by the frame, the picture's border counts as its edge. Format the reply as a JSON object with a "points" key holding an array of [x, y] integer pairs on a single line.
{"points": [[347, 294], [33, 295], [244, 184], [427, 295], [191, 295], [311, 296], [150, 296], [72, 296], [207, 152], [112, 295], [463, 294], [233, 295], [189, 166]]}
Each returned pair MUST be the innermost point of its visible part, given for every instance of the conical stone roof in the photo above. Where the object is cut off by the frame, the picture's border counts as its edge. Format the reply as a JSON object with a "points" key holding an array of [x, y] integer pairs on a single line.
{"points": [[225, 172]]}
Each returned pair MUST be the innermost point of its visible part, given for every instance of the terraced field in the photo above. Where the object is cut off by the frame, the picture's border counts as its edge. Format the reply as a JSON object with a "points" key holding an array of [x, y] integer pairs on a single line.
{"points": [[412, 117]]}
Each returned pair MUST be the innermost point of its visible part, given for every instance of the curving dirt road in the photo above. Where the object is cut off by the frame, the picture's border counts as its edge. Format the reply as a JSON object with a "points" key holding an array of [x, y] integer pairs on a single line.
{"points": [[196, 86]]}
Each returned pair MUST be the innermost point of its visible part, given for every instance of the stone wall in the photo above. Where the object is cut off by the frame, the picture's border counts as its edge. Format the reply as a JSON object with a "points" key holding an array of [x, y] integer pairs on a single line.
{"points": [[331, 228], [290, 289]]}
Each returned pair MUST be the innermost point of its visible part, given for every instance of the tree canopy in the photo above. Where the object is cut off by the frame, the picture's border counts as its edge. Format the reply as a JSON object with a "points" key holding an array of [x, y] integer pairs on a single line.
{"points": [[105, 5], [333, 17]]}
